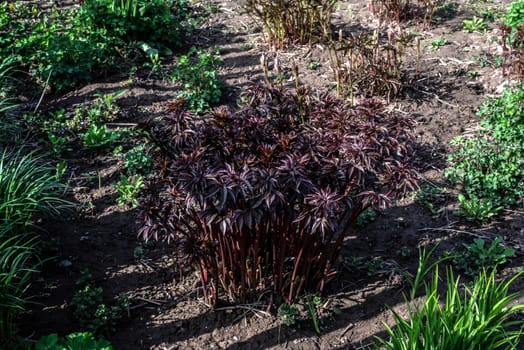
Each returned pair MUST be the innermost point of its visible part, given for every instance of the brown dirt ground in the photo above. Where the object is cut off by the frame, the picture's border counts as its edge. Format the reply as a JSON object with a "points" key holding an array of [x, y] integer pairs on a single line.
{"points": [[168, 313]]}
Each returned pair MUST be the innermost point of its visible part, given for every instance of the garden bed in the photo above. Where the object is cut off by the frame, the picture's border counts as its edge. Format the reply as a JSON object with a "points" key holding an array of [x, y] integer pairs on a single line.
{"points": [[443, 93]]}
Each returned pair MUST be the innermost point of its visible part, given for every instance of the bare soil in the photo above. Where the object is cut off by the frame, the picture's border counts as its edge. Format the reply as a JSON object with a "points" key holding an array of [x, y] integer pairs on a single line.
{"points": [[169, 313]]}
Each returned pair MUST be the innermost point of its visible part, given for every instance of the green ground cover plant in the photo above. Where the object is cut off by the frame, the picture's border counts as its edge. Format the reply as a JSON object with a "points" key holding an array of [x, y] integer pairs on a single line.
{"points": [[475, 24], [490, 165], [263, 198], [198, 73], [478, 256], [92, 313], [128, 189], [73, 341], [288, 22], [66, 48]]}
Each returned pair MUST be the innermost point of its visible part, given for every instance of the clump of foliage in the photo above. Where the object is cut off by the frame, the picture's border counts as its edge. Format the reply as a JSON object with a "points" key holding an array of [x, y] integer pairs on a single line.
{"points": [[157, 22], [512, 38], [138, 161], [475, 24], [73, 341], [16, 269], [263, 198], [27, 187], [481, 316], [93, 314], [99, 137], [288, 22], [84, 126], [10, 129], [128, 189], [403, 10], [201, 85], [478, 256], [363, 66], [490, 165], [64, 48]]}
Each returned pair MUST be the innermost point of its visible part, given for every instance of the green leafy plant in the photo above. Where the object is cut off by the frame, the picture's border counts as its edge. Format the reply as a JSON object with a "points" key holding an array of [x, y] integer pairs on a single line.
{"points": [[265, 196], [93, 314], [128, 189], [201, 85], [73, 341], [437, 43], [66, 48], [490, 165], [367, 216], [477, 317], [428, 196], [288, 22], [137, 161], [475, 24], [476, 209], [478, 256], [515, 14], [99, 137], [289, 314]]}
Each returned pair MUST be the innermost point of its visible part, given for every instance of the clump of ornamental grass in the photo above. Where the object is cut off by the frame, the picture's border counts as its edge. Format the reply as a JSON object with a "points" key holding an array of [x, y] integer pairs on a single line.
{"points": [[481, 315], [288, 22], [262, 198]]}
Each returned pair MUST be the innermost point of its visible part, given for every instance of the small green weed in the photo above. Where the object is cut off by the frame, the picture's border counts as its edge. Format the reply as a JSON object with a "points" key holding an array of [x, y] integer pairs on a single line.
{"points": [[201, 86], [437, 43], [474, 25], [93, 314], [478, 256], [289, 314], [97, 138], [367, 216], [428, 196], [313, 65], [476, 209], [128, 189], [404, 252], [73, 341], [137, 161]]}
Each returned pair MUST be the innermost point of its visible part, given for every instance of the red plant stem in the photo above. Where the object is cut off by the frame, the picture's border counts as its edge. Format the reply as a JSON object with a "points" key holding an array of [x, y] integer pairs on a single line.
{"points": [[294, 275]]}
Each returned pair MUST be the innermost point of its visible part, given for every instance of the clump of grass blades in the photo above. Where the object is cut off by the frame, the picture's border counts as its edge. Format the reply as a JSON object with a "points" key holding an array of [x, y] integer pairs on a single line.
{"points": [[16, 268], [263, 198], [293, 22], [27, 186], [9, 128], [477, 316]]}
